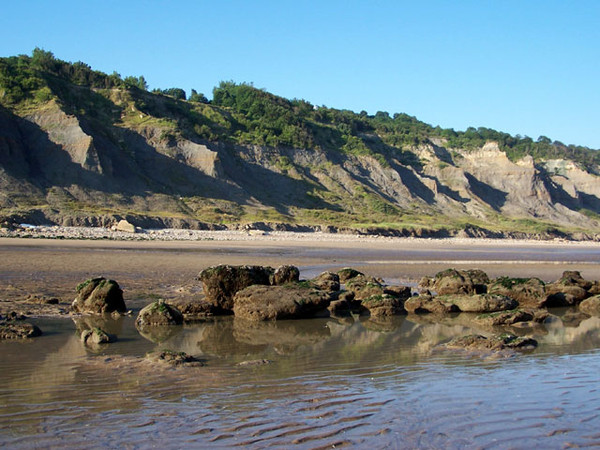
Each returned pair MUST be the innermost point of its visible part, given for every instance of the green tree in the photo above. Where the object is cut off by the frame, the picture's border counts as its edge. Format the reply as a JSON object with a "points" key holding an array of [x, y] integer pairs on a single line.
{"points": [[138, 82], [198, 97]]}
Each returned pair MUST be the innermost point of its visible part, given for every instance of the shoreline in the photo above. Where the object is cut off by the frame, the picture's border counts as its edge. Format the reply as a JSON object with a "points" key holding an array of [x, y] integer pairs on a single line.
{"points": [[91, 234]]}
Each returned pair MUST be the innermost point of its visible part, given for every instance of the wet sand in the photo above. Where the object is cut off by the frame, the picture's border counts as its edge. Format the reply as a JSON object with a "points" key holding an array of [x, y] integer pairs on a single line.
{"points": [[167, 269], [356, 382]]}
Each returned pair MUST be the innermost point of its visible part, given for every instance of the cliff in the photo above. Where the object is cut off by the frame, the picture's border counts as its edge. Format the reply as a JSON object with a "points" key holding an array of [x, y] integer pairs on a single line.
{"points": [[93, 152]]}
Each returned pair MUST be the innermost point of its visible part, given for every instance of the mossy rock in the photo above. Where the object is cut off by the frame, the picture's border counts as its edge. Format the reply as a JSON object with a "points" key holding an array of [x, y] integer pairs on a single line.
{"points": [[347, 273], [99, 296], [383, 305], [159, 313]]}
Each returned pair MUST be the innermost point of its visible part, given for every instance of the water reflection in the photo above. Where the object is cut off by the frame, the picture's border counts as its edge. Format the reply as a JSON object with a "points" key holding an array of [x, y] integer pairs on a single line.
{"points": [[328, 368]]}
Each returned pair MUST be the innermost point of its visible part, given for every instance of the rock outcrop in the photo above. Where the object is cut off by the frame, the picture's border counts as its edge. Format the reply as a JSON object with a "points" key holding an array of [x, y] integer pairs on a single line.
{"points": [[258, 303], [222, 282]]}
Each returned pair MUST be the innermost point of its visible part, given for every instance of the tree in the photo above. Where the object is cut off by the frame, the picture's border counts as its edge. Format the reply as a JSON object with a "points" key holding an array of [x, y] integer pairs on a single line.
{"points": [[43, 59], [177, 93], [198, 97], [138, 82]]}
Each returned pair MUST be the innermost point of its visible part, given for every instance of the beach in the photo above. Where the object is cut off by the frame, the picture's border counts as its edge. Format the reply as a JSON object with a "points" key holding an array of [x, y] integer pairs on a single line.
{"points": [[311, 383], [168, 265]]}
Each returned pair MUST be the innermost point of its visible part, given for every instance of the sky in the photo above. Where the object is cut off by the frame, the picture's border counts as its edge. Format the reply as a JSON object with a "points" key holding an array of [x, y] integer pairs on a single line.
{"points": [[527, 67]]}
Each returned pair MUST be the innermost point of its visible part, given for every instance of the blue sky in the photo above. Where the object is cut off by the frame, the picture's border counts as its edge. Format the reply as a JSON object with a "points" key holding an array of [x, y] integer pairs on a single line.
{"points": [[528, 67]]}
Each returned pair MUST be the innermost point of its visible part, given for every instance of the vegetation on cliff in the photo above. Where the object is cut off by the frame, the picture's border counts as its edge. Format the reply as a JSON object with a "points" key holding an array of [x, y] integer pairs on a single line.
{"points": [[119, 112]]}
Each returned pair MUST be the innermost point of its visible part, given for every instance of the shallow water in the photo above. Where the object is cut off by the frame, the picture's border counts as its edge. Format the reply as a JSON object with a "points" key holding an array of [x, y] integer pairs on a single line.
{"points": [[330, 382]]}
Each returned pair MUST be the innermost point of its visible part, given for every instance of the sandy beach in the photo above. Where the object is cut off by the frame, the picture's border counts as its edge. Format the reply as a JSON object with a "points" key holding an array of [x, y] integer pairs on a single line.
{"points": [[164, 263]]}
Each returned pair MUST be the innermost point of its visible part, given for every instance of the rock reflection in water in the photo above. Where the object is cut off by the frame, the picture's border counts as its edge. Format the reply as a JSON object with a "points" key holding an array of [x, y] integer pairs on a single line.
{"points": [[354, 380]]}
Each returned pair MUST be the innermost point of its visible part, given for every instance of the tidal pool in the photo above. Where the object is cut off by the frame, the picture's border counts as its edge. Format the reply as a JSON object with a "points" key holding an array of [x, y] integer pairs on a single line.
{"points": [[329, 382]]}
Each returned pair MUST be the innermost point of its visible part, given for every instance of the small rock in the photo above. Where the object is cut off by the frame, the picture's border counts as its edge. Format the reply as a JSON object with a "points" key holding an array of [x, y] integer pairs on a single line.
{"points": [[95, 336], [21, 330], [174, 359], [254, 362]]}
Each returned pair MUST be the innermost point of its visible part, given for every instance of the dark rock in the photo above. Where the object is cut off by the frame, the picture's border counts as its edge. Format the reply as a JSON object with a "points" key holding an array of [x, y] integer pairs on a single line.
{"points": [[400, 292], [159, 313], [591, 306], [285, 274], [292, 301], [99, 296], [327, 281], [18, 330], [347, 273], [529, 292], [454, 281], [222, 282]]}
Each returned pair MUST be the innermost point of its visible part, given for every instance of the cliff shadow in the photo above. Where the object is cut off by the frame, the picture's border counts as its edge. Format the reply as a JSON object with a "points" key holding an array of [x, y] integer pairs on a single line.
{"points": [[495, 198]]}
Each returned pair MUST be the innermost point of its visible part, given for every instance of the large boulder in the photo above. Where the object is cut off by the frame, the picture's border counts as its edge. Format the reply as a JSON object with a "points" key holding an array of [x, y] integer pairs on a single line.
{"points": [[280, 302], [159, 313], [453, 281], [223, 281], [99, 296], [591, 306], [529, 292], [483, 303]]}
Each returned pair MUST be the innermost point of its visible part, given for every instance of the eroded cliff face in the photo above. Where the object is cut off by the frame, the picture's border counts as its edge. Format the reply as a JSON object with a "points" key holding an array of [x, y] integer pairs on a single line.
{"points": [[54, 161]]}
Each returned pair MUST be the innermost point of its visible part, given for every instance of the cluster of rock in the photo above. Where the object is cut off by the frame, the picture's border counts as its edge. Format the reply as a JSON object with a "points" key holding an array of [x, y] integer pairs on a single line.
{"points": [[261, 293]]}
